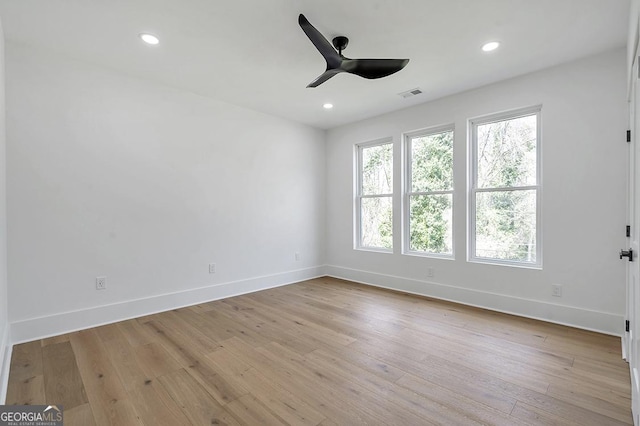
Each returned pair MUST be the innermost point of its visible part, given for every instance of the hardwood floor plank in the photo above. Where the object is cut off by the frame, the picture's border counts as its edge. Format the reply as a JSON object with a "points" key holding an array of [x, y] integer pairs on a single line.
{"points": [[485, 339], [154, 359], [53, 340], [364, 362], [222, 327], [217, 382], [106, 393], [197, 365], [235, 365], [246, 315], [327, 352], [108, 332], [534, 415], [486, 388], [172, 342], [377, 405], [581, 397], [431, 410], [177, 342], [605, 350], [62, 381], [26, 379], [82, 415], [567, 410], [281, 402], [26, 361], [194, 401], [613, 371], [135, 333], [155, 406], [123, 358], [615, 394], [29, 391], [496, 362], [468, 409], [317, 395], [249, 411], [201, 308], [294, 322], [226, 377], [200, 339]]}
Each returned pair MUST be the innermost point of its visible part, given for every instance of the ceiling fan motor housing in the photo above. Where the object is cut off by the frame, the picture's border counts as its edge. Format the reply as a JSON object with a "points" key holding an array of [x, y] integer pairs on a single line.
{"points": [[340, 43]]}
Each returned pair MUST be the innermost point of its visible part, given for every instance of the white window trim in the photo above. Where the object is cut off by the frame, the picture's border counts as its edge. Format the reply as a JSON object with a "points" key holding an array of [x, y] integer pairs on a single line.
{"points": [[473, 190], [357, 220], [407, 193]]}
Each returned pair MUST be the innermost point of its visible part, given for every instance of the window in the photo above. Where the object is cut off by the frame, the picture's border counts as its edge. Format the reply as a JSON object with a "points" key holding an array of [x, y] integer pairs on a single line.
{"points": [[374, 196], [505, 188], [429, 192]]}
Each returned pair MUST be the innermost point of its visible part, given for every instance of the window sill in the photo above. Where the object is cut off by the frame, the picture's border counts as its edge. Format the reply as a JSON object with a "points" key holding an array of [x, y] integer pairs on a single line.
{"points": [[495, 262], [429, 255], [374, 250]]}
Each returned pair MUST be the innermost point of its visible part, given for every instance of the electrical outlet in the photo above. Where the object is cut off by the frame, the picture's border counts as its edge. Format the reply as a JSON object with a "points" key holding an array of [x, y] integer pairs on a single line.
{"points": [[297, 256], [212, 268], [101, 283], [430, 272], [556, 290]]}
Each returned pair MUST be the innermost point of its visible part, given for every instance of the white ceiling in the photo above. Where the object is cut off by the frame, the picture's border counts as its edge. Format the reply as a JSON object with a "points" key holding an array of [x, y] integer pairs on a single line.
{"points": [[253, 53]]}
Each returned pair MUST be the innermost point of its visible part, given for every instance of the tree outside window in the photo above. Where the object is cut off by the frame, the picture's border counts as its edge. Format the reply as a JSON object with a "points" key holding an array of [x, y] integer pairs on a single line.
{"points": [[375, 196], [505, 210], [429, 195]]}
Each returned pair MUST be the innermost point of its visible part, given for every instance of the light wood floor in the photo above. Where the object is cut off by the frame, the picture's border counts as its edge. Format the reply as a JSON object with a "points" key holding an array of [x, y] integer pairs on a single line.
{"points": [[326, 352]]}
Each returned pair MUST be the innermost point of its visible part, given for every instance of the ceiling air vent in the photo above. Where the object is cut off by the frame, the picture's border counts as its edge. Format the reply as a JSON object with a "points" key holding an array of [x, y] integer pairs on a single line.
{"points": [[410, 93]]}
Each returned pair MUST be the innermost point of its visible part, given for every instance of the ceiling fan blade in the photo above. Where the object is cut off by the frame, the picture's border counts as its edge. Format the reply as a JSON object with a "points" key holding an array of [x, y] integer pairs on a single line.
{"points": [[324, 77], [322, 44], [373, 68], [336, 62]]}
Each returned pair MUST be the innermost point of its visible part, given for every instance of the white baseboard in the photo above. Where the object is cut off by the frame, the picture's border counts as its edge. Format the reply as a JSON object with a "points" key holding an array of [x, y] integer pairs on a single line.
{"points": [[601, 322], [6, 349], [625, 342], [53, 325]]}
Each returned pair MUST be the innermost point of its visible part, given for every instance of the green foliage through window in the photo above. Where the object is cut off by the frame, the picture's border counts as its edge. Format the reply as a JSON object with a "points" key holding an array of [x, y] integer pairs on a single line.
{"points": [[376, 196], [431, 193], [506, 189]]}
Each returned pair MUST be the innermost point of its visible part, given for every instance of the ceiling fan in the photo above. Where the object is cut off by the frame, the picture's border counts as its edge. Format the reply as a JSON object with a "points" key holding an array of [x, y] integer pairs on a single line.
{"points": [[336, 63]]}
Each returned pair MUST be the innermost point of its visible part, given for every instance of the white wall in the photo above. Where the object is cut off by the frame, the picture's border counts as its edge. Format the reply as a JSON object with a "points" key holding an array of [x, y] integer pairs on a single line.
{"points": [[584, 120], [5, 347], [632, 38], [116, 176]]}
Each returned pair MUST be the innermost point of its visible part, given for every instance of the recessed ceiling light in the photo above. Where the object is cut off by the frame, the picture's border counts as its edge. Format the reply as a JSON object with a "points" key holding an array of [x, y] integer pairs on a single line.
{"points": [[327, 106], [492, 45], [149, 38]]}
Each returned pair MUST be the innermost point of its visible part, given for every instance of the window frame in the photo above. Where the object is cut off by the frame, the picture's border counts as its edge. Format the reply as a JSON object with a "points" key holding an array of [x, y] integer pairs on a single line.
{"points": [[358, 196], [474, 190], [408, 193]]}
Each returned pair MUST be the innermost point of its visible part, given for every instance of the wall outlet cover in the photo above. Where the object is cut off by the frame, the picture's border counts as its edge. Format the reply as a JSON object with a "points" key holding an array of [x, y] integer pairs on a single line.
{"points": [[101, 283]]}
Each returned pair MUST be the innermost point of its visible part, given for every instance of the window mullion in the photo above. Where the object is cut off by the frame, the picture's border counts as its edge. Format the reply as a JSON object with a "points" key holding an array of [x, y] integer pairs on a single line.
{"points": [[375, 195], [508, 188], [448, 191]]}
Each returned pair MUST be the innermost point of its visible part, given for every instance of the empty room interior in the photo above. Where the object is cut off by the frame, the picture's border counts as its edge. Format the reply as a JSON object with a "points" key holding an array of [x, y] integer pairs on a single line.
{"points": [[320, 213]]}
